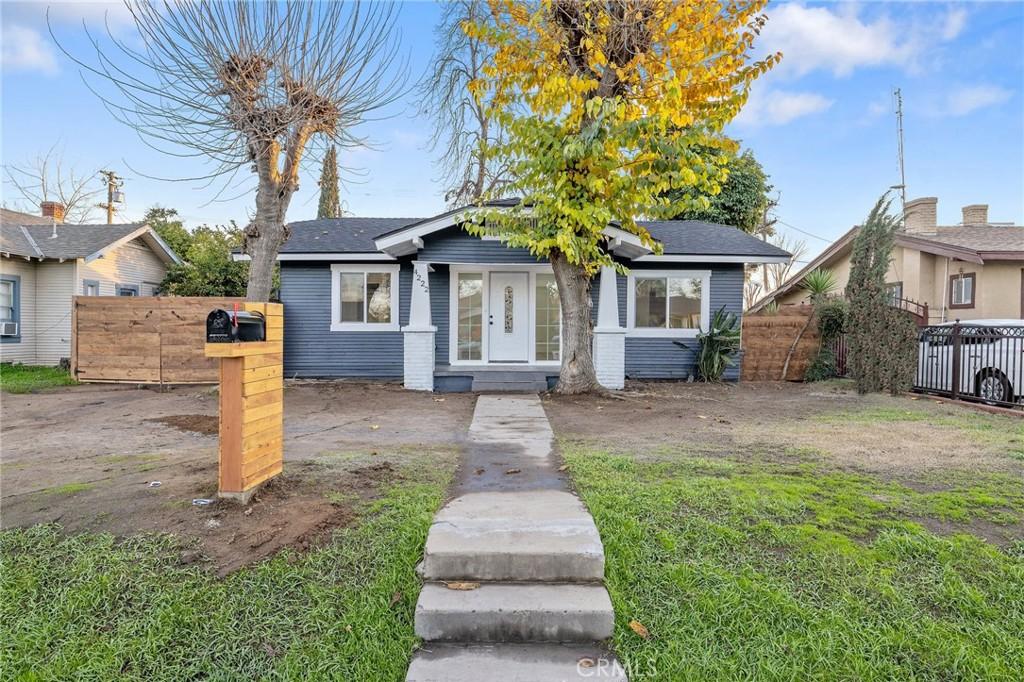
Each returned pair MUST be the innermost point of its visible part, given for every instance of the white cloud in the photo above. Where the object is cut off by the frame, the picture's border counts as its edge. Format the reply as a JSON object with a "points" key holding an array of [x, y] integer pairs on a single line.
{"points": [[954, 23], [963, 101], [840, 39], [25, 49], [779, 107], [813, 38]]}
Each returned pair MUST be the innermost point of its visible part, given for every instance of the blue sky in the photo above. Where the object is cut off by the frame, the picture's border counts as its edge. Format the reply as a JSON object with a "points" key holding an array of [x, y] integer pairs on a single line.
{"points": [[822, 123]]}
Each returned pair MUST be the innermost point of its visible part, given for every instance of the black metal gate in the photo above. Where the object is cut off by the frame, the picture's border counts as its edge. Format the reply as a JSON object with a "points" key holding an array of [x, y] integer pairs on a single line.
{"points": [[978, 362]]}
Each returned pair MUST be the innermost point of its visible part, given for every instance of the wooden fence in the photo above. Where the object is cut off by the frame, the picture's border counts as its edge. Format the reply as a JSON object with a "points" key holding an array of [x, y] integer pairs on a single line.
{"points": [[767, 339], [143, 340]]}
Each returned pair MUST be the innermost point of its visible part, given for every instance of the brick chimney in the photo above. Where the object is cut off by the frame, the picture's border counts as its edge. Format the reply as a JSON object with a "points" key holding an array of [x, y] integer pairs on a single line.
{"points": [[975, 214], [919, 216], [53, 209]]}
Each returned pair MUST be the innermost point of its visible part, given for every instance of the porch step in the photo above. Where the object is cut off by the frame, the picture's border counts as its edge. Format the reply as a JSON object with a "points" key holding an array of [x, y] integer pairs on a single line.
{"points": [[514, 612], [518, 385], [537, 535], [524, 662]]}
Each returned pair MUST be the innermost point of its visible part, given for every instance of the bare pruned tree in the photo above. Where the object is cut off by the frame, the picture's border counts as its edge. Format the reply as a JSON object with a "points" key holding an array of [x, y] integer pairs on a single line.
{"points": [[464, 128], [247, 85], [48, 177]]}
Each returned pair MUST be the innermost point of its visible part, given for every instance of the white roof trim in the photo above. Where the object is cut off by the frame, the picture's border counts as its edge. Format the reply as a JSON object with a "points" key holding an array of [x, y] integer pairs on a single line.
{"points": [[710, 258], [153, 240], [413, 236], [338, 256]]}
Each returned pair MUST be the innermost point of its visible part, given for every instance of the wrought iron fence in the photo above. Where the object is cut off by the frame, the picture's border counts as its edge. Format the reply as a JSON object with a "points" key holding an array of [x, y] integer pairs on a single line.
{"points": [[978, 362], [840, 351]]}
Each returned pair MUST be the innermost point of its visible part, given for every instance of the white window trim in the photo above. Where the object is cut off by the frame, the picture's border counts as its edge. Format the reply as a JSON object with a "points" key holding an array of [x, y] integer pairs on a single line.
{"points": [[705, 304], [453, 308], [336, 324]]}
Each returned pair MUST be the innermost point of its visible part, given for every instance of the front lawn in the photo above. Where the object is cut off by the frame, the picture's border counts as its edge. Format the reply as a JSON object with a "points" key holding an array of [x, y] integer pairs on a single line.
{"points": [[27, 378], [90, 607], [789, 568]]}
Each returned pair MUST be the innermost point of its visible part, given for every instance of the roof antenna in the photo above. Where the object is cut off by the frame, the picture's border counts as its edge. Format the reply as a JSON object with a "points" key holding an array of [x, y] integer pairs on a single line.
{"points": [[897, 96]]}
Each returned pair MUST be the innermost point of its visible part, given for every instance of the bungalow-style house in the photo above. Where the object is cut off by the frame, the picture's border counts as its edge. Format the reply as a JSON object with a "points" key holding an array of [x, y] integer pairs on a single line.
{"points": [[974, 270], [424, 301], [45, 262]]}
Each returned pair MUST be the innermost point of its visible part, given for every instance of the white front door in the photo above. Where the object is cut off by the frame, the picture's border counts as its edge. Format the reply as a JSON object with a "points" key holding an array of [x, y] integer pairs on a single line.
{"points": [[509, 317]]}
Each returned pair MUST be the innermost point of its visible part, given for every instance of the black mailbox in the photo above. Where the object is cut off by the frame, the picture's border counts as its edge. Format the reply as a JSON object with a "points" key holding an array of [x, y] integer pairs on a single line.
{"points": [[224, 326]]}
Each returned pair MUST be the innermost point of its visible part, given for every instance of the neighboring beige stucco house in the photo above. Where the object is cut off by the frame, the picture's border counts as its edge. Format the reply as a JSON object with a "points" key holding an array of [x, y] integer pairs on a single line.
{"points": [[974, 270], [44, 263]]}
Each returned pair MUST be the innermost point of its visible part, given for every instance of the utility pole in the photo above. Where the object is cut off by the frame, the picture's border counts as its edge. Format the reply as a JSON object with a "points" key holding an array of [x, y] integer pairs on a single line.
{"points": [[114, 193], [898, 101]]}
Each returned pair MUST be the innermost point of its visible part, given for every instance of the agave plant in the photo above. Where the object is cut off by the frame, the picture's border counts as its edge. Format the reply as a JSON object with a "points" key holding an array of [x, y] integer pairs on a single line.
{"points": [[819, 284], [718, 345]]}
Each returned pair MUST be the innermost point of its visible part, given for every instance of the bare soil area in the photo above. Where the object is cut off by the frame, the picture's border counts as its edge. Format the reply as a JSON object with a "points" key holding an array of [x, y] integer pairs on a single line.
{"points": [[125, 460], [902, 437]]}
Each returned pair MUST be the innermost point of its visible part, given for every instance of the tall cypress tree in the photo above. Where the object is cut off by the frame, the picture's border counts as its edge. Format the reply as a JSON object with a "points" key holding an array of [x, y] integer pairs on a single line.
{"points": [[882, 338], [330, 204]]}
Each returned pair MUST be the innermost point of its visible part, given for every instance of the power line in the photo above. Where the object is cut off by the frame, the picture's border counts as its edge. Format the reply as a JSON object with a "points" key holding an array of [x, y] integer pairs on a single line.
{"points": [[792, 227]]}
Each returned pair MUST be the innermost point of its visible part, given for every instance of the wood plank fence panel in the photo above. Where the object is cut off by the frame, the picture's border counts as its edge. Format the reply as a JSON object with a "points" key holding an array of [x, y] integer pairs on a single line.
{"points": [[767, 339], [144, 340]]}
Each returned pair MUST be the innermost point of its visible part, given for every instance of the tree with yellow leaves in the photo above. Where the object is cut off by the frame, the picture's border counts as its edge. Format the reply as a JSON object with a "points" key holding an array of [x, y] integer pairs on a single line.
{"points": [[608, 105]]}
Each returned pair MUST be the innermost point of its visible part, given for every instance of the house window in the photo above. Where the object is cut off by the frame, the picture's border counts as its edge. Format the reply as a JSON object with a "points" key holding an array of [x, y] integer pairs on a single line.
{"points": [[10, 304], [127, 289], [7, 306], [90, 287], [548, 319], [894, 292], [470, 316], [961, 290], [669, 303], [364, 298]]}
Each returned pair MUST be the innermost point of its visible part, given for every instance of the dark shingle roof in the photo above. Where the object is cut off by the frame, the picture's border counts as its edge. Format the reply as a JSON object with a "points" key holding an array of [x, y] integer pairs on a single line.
{"points": [[680, 237], [695, 237], [72, 241], [19, 218], [340, 235]]}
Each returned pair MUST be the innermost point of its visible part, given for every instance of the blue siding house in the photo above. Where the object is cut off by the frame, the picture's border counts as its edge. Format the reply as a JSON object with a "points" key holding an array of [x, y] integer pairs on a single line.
{"points": [[425, 302]]}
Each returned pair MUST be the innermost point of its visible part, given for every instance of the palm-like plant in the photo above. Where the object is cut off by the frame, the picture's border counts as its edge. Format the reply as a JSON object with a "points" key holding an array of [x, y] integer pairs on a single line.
{"points": [[718, 345], [819, 284]]}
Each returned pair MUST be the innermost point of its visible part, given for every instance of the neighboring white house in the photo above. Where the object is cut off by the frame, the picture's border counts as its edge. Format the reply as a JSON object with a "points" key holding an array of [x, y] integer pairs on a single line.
{"points": [[44, 263]]}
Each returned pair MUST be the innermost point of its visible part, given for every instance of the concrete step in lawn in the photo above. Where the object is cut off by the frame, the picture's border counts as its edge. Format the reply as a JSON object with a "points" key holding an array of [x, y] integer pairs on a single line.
{"points": [[509, 386], [541, 535], [519, 662], [515, 612]]}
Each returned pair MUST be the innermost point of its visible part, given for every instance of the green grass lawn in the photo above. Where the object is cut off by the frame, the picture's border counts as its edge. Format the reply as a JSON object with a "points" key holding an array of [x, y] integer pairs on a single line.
{"points": [[88, 607], [27, 378], [749, 570]]}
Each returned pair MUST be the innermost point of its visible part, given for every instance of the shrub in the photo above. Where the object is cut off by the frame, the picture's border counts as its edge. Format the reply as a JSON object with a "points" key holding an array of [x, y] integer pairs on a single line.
{"points": [[719, 345]]}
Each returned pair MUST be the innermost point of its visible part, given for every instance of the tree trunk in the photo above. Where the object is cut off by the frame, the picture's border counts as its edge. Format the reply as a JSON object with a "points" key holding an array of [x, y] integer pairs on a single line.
{"points": [[263, 239], [577, 374]]}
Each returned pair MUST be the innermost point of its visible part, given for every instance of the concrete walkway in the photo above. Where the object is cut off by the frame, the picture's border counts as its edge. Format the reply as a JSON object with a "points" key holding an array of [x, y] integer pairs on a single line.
{"points": [[537, 608]]}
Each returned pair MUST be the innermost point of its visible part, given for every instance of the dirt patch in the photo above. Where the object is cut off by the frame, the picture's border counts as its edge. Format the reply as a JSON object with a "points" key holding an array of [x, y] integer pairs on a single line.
{"points": [[102, 459], [206, 424], [787, 422]]}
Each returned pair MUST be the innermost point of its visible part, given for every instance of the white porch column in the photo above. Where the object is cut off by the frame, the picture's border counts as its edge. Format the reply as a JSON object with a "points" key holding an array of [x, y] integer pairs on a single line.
{"points": [[418, 335], [609, 337]]}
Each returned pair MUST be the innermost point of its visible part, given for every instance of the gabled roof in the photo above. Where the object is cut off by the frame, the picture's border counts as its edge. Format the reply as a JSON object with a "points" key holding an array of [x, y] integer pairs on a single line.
{"points": [[390, 238], [19, 218], [968, 243], [64, 242]]}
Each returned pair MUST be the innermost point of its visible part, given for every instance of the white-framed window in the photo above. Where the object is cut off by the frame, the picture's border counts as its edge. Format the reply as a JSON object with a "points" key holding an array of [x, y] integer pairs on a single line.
{"points": [[364, 297], [668, 302], [90, 287], [8, 305]]}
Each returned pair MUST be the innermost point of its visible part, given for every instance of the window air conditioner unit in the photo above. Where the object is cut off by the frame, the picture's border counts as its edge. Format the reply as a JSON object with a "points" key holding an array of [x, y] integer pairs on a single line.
{"points": [[8, 328]]}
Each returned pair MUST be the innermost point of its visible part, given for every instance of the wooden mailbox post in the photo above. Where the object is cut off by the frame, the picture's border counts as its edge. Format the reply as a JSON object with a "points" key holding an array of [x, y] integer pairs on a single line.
{"points": [[251, 406]]}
